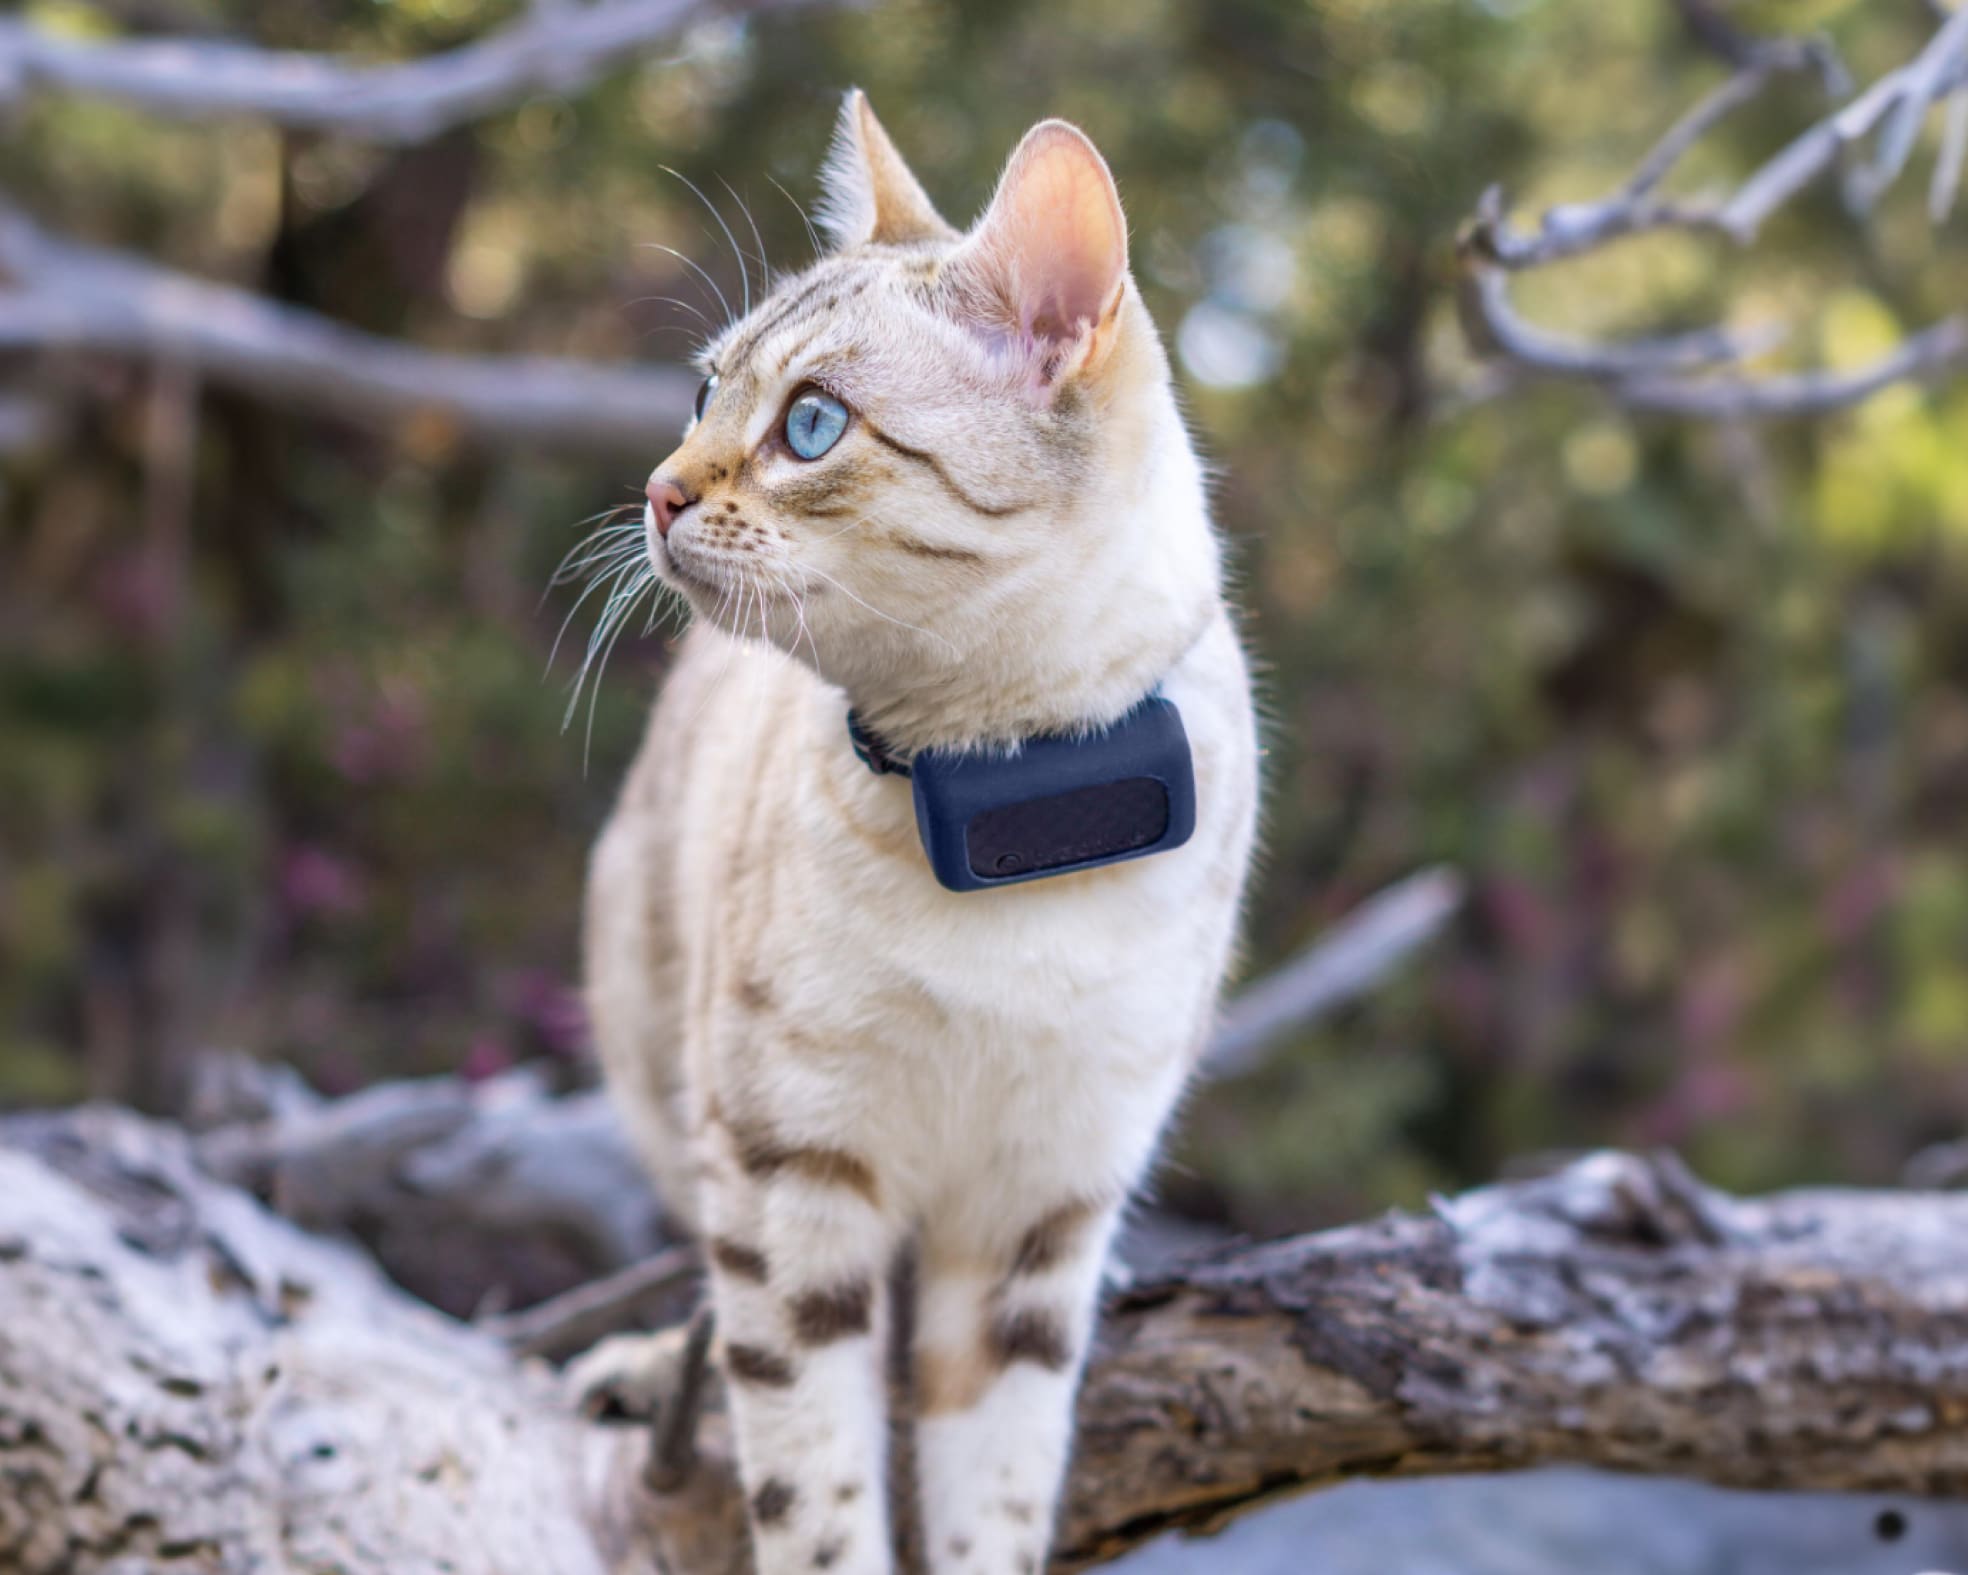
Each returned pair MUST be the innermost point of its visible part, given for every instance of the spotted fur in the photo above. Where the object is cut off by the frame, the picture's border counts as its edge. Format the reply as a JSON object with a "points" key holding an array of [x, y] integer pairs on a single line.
{"points": [[824, 1056]]}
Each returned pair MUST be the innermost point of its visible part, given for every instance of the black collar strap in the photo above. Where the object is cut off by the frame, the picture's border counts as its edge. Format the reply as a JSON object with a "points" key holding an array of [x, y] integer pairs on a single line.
{"points": [[1056, 804], [872, 751]]}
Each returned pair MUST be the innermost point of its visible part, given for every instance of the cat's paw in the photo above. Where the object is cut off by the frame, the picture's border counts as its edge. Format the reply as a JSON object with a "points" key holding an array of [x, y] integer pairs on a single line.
{"points": [[628, 1377]]}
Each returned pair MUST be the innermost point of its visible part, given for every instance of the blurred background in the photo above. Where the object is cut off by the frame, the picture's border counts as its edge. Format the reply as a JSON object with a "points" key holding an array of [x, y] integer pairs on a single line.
{"points": [[282, 762]]}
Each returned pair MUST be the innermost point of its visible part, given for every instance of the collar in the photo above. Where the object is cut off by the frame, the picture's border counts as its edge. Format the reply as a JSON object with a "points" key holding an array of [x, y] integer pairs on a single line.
{"points": [[872, 749], [1058, 803]]}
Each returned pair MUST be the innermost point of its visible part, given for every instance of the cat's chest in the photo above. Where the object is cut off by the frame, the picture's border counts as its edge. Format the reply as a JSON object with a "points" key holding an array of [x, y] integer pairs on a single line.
{"points": [[847, 915]]}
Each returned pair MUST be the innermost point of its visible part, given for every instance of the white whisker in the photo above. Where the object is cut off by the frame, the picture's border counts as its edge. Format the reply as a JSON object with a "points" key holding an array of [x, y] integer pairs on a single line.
{"points": [[594, 694], [602, 578], [765, 268], [744, 273], [812, 238], [886, 618], [836, 536], [694, 267]]}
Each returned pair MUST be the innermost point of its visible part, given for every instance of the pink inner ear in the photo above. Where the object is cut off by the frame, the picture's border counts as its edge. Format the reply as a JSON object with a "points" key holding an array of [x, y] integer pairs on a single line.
{"points": [[1056, 232]]}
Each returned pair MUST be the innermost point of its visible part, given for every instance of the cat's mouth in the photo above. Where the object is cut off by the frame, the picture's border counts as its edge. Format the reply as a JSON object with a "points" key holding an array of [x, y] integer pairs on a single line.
{"points": [[711, 583], [673, 567]]}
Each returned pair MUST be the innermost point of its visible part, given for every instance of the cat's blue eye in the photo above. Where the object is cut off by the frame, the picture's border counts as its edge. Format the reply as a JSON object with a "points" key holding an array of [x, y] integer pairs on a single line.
{"points": [[815, 423], [704, 391]]}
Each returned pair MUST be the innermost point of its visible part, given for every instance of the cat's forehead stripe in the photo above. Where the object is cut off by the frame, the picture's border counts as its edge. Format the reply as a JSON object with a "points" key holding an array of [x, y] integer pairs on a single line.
{"points": [[840, 276]]}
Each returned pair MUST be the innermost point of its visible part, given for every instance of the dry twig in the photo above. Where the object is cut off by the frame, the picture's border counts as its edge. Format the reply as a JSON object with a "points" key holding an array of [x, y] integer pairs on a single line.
{"points": [[1700, 373], [550, 49], [62, 295]]}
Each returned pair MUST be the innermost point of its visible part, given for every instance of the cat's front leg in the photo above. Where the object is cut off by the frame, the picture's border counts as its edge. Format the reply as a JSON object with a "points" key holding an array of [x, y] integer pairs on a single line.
{"points": [[1001, 1337], [799, 1247]]}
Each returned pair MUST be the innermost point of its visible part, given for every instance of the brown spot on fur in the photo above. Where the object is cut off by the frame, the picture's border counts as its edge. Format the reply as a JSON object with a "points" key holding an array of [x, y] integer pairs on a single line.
{"points": [[947, 1381], [738, 1260], [1020, 1512], [847, 1492], [1031, 1335], [755, 995], [1047, 1244], [822, 1317], [753, 1364], [774, 1501], [960, 1547], [760, 1154], [828, 1553]]}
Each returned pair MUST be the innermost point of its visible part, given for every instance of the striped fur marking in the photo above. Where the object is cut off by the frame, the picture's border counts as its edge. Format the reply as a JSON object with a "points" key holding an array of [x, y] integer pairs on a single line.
{"points": [[935, 467], [841, 1311], [753, 1364], [1031, 1335]]}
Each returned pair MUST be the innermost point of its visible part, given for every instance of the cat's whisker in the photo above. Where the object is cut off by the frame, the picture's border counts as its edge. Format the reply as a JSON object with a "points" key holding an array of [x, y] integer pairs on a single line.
{"points": [[765, 268], [836, 536], [603, 544], [696, 268], [641, 588], [744, 273], [678, 302], [805, 630], [885, 617], [812, 237], [730, 649], [622, 577], [614, 571]]}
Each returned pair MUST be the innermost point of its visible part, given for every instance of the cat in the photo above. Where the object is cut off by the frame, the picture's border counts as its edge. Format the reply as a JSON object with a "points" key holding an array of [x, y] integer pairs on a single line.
{"points": [[939, 478]]}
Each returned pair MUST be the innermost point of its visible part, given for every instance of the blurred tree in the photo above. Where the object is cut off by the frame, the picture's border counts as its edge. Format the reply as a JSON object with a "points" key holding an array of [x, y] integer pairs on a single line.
{"points": [[1687, 699]]}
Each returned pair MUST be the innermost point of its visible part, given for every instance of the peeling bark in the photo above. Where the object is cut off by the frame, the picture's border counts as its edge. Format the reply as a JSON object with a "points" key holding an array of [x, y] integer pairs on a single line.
{"points": [[190, 1382]]}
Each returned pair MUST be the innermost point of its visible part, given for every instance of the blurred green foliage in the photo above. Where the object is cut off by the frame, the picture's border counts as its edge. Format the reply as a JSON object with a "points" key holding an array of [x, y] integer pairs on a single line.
{"points": [[279, 768]]}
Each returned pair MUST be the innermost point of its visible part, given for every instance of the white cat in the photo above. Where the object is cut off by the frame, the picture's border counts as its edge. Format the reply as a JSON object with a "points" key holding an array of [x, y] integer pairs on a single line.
{"points": [[940, 478]]}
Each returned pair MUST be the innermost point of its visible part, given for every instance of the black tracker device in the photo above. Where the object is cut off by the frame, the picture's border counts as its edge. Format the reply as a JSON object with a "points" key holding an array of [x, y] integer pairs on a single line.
{"points": [[1056, 804]]}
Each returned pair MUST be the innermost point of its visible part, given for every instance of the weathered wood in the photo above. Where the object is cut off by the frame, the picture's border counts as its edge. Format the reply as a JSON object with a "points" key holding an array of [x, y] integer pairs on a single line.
{"points": [[189, 1381]]}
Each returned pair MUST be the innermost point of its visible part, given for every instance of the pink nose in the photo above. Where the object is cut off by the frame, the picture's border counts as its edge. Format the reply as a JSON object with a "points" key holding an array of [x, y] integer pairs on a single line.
{"points": [[667, 500]]}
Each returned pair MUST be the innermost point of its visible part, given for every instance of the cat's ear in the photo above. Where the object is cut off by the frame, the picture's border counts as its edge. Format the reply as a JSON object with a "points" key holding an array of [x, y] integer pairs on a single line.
{"points": [[1048, 261], [871, 195]]}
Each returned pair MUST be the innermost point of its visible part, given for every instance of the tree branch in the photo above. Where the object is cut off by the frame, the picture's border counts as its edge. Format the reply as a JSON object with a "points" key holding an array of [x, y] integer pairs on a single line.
{"points": [[556, 49], [1657, 373], [1345, 962], [67, 296], [183, 1374]]}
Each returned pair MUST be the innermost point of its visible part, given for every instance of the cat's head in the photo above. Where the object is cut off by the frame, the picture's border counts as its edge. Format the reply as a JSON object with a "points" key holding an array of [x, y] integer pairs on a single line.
{"points": [[940, 466]]}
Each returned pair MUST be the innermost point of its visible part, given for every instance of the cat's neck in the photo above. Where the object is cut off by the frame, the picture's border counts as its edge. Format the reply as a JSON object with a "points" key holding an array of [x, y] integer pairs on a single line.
{"points": [[1086, 651]]}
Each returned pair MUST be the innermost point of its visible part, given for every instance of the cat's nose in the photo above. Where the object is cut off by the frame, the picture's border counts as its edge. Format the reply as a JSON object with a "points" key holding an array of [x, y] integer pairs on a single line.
{"points": [[666, 500]]}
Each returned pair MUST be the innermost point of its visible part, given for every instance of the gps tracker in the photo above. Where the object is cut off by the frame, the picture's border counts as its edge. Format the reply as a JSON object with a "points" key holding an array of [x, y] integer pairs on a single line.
{"points": [[1057, 804]]}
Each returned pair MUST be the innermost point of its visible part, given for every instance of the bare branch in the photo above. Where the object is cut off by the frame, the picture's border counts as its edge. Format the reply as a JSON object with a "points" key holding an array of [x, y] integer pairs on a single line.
{"points": [[1953, 156], [1660, 373], [1493, 321], [575, 1320], [1929, 356], [1649, 374], [68, 296], [1345, 962], [549, 49], [182, 1371]]}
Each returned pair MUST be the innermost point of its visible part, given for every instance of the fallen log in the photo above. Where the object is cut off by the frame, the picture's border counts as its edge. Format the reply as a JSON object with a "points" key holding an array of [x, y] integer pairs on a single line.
{"points": [[188, 1380]]}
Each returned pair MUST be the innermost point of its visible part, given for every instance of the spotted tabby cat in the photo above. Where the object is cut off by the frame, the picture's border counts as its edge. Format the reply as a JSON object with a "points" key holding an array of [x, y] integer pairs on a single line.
{"points": [[939, 477]]}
